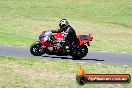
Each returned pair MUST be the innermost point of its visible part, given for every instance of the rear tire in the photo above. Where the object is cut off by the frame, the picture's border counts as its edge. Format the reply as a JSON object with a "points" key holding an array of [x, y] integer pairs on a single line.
{"points": [[79, 52], [36, 49]]}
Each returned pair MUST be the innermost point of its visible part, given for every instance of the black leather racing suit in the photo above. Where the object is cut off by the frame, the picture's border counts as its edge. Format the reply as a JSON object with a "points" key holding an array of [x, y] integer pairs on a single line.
{"points": [[69, 35]]}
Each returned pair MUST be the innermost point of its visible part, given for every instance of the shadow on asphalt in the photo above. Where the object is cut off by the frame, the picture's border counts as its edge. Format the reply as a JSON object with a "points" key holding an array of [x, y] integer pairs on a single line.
{"points": [[93, 59], [66, 57]]}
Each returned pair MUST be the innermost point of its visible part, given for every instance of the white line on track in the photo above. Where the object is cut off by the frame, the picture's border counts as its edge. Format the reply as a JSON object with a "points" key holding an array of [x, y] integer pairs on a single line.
{"points": [[82, 62], [14, 46], [99, 63], [123, 52], [125, 65]]}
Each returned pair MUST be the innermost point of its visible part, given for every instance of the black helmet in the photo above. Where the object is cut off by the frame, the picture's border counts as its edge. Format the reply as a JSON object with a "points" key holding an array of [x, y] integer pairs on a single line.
{"points": [[63, 23]]}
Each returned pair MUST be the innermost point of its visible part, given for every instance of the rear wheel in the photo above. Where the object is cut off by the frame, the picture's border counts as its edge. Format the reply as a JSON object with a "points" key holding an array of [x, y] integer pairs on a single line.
{"points": [[36, 49], [79, 52]]}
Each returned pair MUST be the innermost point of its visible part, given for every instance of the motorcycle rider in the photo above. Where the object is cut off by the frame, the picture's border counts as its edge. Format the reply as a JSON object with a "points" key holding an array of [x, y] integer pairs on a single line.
{"points": [[69, 32]]}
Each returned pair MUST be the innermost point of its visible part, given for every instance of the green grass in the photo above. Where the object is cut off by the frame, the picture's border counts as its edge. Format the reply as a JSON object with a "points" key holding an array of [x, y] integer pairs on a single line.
{"points": [[110, 22], [44, 73]]}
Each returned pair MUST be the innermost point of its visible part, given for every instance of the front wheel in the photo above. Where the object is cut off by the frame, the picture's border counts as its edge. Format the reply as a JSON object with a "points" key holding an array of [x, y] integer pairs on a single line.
{"points": [[36, 49], [79, 52]]}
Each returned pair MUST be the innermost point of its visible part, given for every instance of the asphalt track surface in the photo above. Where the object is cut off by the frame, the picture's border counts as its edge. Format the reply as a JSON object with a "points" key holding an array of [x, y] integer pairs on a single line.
{"points": [[124, 59]]}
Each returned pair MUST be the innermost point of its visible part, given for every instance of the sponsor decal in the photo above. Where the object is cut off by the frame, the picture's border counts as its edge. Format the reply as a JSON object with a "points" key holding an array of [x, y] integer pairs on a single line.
{"points": [[83, 78]]}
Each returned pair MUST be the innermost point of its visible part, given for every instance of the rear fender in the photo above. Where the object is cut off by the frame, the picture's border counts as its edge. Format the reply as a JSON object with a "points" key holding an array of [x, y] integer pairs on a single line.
{"points": [[80, 42], [85, 43]]}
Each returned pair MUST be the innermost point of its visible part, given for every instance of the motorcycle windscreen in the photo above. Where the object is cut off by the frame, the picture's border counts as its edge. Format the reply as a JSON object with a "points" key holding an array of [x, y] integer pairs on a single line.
{"points": [[45, 35], [41, 36]]}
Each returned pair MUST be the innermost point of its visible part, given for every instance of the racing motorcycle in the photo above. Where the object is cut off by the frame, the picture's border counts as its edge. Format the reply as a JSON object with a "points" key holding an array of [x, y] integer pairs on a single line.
{"points": [[52, 44]]}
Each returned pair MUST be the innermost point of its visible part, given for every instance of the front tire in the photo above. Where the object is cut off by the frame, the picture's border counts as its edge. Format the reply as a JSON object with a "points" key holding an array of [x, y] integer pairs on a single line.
{"points": [[79, 52], [36, 49]]}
